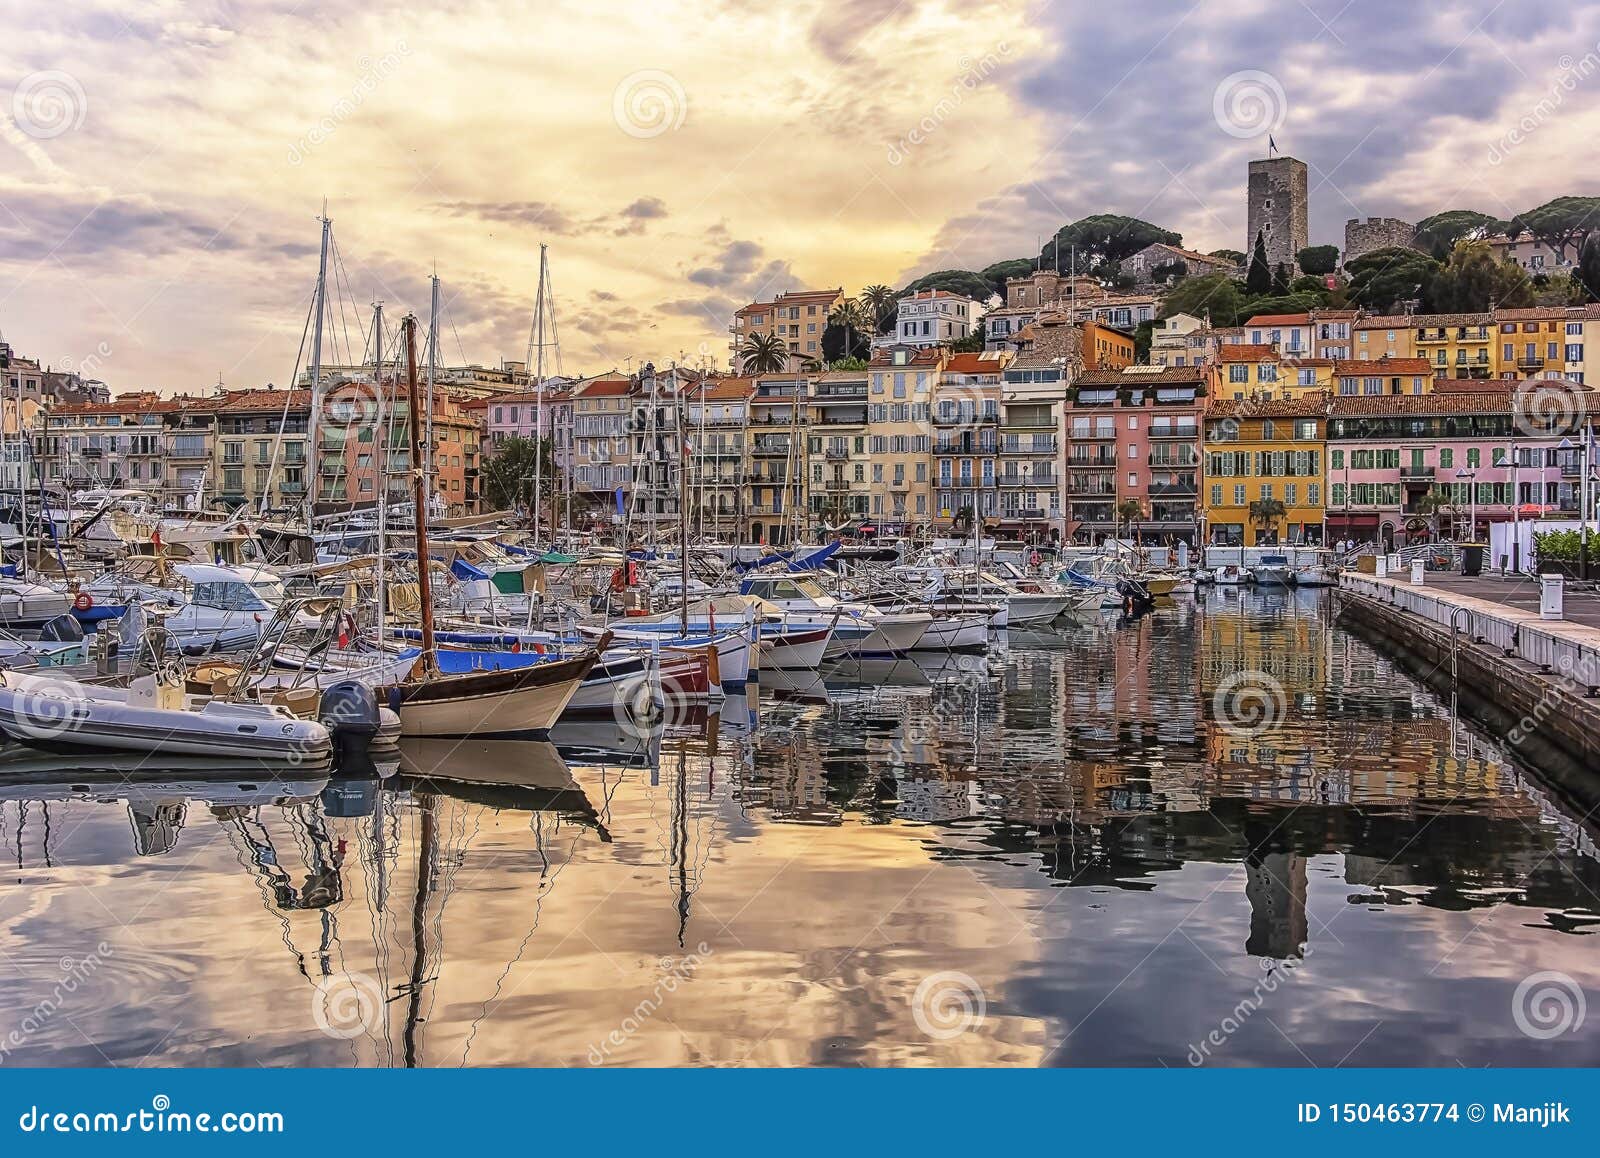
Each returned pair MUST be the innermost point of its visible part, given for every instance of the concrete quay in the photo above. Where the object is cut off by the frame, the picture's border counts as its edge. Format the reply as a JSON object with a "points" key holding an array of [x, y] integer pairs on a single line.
{"points": [[1484, 639]]}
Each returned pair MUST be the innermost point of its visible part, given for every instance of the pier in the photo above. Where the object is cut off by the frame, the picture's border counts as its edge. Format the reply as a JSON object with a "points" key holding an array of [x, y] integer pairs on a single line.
{"points": [[1485, 639]]}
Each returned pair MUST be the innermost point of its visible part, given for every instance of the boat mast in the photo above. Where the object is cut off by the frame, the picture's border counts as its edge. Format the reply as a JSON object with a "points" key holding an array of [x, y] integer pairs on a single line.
{"points": [[538, 391], [316, 358], [22, 480], [382, 457], [433, 362], [418, 489], [681, 425]]}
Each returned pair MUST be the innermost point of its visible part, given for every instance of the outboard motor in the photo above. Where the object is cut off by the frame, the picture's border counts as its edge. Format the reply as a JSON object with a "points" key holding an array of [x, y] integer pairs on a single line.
{"points": [[62, 629], [349, 710]]}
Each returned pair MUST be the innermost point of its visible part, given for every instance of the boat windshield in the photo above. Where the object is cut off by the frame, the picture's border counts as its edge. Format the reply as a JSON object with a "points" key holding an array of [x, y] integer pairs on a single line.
{"points": [[231, 596]]}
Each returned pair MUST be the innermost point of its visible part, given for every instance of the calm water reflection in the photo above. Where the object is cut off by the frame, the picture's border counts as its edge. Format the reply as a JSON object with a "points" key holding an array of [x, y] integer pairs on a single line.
{"points": [[1107, 867]]}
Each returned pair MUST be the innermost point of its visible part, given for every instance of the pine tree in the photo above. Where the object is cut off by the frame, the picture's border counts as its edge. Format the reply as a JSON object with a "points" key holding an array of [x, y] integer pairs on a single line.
{"points": [[1258, 280], [1589, 266], [1280, 279]]}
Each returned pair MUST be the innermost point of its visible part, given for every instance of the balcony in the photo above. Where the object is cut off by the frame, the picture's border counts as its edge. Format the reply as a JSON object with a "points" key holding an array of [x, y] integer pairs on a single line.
{"points": [[1430, 334], [1092, 461], [291, 488], [838, 484], [1031, 446], [770, 446], [1091, 492], [1026, 480], [1029, 423], [840, 392], [963, 446], [837, 454], [1180, 430], [1174, 462], [1173, 490], [1473, 334], [1525, 362], [1416, 474]]}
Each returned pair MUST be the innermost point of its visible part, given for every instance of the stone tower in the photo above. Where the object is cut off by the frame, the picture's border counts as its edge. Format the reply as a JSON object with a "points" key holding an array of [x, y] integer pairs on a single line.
{"points": [[1278, 210]]}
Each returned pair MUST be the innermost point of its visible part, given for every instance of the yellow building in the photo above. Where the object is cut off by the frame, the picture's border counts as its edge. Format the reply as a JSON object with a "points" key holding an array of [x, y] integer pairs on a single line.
{"points": [[1265, 449], [899, 418], [797, 318], [775, 479], [1261, 371], [1455, 345], [1531, 343]]}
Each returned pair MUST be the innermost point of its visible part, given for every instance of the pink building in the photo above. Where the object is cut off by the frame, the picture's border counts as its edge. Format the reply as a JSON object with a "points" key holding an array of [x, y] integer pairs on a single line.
{"points": [[1135, 433], [1473, 447]]}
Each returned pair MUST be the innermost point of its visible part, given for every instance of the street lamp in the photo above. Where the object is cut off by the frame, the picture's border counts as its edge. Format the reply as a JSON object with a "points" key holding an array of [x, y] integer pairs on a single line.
{"points": [[1472, 502]]}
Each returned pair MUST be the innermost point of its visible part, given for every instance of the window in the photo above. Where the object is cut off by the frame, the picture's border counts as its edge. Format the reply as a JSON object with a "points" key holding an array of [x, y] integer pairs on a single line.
{"points": [[1216, 494], [1446, 458], [1238, 494]]}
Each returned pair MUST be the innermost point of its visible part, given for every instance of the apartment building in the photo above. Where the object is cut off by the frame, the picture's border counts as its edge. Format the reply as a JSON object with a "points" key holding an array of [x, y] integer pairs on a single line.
{"points": [[838, 447], [364, 449], [1391, 376], [1262, 450], [601, 457], [776, 483], [1262, 371], [137, 440], [797, 318], [931, 318], [1033, 400], [1135, 434], [901, 383], [260, 446], [1182, 340], [966, 440], [717, 413]]}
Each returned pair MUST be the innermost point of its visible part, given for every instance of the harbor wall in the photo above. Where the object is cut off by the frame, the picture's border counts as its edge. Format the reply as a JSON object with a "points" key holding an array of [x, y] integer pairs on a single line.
{"points": [[1539, 678]]}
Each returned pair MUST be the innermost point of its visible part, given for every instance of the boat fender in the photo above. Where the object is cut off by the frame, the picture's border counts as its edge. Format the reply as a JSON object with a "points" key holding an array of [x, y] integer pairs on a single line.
{"points": [[83, 601]]}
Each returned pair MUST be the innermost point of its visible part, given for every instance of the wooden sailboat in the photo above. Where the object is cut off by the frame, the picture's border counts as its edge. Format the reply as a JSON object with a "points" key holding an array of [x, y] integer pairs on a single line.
{"points": [[510, 702]]}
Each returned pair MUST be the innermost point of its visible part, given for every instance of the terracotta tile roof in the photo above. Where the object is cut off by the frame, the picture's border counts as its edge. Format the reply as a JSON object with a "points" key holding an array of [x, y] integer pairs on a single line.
{"points": [[725, 390], [1263, 352], [1531, 314], [268, 400], [974, 363], [925, 357], [1473, 385], [137, 402], [1306, 406], [754, 308], [1416, 321], [1402, 405], [1279, 320], [1145, 376], [1381, 367], [604, 388]]}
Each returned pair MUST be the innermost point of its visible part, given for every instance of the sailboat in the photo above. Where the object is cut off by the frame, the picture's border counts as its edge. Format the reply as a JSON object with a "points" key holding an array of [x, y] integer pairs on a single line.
{"points": [[502, 702]]}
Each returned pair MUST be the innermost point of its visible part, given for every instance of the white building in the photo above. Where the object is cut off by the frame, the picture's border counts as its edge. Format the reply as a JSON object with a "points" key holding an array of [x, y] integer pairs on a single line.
{"points": [[933, 317]]}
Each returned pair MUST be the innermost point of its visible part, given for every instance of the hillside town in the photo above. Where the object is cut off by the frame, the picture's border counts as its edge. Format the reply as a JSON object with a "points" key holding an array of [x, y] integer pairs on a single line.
{"points": [[1063, 410]]}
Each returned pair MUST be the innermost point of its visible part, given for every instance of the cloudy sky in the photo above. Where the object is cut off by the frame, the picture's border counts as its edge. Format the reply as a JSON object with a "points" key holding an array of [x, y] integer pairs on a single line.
{"points": [[163, 164]]}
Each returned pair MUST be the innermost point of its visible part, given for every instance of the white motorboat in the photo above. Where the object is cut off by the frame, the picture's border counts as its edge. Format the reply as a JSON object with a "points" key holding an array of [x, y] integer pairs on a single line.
{"points": [[152, 714], [955, 633], [24, 604], [859, 629], [1230, 575], [1272, 571]]}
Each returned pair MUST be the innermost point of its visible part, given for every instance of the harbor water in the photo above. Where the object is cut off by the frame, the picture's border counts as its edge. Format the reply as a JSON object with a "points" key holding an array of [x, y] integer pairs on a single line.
{"points": [[1225, 833]]}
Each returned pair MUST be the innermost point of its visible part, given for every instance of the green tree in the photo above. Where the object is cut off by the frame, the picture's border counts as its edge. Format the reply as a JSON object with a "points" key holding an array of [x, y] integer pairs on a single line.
{"points": [[834, 347], [956, 281], [1385, 276], [1234, 255], [1215, 294], [1589, 267], [1142, 333], [850, 316], [972, 343], [1437, 235], [879, 301], [508, 473], [1265, 514], [1101, 238], [848, 364], [1280, 280], [1318, 259], [1473, 280], [1562, 223], [763, 354], [1128, 512], [997, 273], [1258, 279]]}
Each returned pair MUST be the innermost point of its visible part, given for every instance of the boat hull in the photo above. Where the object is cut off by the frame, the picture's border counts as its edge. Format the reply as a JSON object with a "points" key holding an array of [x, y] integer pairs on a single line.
{"points": [[514, 702], [955, 633]]}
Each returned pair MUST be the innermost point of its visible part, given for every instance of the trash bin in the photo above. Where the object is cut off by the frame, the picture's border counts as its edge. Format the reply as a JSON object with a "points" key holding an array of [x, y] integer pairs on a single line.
{"points": [[1418, 569], [1472, 559]]}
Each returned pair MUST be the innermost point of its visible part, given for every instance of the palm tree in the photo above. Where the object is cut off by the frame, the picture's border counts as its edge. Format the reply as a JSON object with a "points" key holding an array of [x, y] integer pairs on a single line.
{"points": [[878, 299], [763, 354], [1127, 511], [849, 315], [1265, 513], [1429, 507]]}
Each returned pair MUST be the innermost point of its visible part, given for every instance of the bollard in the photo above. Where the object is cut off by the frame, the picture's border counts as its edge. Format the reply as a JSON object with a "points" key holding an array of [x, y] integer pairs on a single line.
{"points": [[1552, 597], [1381, 569], [1417, 568]]}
